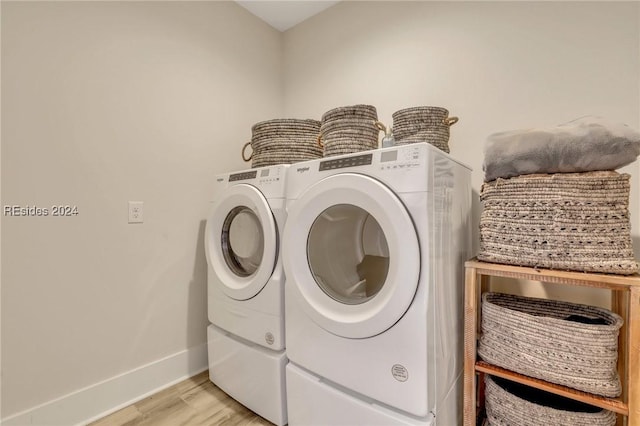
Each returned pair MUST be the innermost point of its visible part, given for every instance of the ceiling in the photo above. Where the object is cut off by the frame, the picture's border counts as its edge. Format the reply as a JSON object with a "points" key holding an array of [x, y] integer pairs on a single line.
{"points": [[283, 15]]}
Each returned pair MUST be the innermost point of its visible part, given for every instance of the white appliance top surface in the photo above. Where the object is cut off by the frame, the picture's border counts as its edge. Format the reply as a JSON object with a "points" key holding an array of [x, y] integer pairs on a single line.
{"points": [[405, 168]]}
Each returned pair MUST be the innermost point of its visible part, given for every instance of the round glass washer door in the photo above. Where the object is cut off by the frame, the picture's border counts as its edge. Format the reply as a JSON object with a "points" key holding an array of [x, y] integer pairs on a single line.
{"points": [[241, 241], [351, 252]]}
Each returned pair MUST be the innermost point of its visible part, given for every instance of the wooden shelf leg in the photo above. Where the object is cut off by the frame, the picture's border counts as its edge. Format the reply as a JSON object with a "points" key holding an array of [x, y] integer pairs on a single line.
{"points": [[619, 305], [470, 330], [633, 358]]}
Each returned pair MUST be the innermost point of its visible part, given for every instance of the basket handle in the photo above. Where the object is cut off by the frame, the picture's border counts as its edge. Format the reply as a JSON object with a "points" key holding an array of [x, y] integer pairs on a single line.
{"points": [[320, 144], [243, 149], [450, 121]]}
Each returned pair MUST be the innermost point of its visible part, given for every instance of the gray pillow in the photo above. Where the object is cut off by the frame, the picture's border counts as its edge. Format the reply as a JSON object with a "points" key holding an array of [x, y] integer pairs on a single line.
{"points": [[583, 145]]}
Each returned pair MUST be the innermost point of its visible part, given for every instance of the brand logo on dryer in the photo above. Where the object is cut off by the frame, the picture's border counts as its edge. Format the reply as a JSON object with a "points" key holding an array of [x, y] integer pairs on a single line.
{"points": [[220, 180], [302, 169]]}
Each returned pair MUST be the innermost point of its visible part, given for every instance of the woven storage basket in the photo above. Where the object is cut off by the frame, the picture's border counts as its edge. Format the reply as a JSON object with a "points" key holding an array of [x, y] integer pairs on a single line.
{"points": [[358, 112], [565, 343], [571, 221], [349, 129], [510, 404], [423, 124], [283, 141]]}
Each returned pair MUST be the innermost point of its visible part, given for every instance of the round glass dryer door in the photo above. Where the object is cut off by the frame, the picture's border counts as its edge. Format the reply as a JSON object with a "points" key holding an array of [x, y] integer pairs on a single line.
{"points": [[241, 241], [351, 252], [348, 254]]}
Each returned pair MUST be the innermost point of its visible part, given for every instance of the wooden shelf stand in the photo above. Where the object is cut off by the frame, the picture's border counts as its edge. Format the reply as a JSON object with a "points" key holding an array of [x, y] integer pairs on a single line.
{"points": [[625, 302]]}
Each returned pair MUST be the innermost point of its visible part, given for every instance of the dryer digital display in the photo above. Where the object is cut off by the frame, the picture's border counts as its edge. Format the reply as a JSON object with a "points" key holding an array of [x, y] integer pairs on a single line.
{"points": [[388, 156], [341, 163]]}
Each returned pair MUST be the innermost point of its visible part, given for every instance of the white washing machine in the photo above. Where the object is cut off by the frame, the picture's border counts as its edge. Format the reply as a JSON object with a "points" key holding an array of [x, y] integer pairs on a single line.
{"points": [[246, 340], [374, 250]]}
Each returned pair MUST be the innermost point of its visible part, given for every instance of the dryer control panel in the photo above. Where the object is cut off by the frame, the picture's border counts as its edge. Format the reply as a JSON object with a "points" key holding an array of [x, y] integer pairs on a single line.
{"points": [[398, 159], [390, 158], [403, 168], [243, 176], [352, 161]]}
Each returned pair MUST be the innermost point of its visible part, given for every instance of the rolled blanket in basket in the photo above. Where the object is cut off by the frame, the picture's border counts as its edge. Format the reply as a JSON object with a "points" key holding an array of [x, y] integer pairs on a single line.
{"points": [[583, 145]]}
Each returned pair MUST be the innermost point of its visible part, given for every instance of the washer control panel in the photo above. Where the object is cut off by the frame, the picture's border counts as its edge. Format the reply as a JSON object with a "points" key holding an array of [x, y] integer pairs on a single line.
{"points": [[268, 180], [264, 176]]}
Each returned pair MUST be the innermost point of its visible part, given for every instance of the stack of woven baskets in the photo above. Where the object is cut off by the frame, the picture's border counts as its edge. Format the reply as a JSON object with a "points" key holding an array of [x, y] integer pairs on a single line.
{"points": [[553, 199], [349, 129], [344, 130], [559, 220], [283, 141], [423, 124]]}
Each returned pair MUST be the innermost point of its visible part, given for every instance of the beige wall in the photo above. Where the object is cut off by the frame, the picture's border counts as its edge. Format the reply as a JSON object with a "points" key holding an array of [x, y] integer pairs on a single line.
{"points": [[104, 103], [496, 65]]}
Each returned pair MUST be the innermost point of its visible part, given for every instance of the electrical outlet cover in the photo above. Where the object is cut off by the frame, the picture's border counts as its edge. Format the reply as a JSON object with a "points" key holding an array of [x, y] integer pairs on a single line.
{"points": [[136, 212]]}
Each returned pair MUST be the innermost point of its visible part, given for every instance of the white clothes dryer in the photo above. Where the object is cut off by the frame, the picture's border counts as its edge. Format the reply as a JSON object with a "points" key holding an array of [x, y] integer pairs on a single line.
{"points": [[374, 250], [246, 340]]}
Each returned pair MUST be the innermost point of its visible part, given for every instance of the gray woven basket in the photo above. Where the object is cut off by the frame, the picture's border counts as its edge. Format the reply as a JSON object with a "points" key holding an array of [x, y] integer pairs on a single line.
{"points": [[423, 124], [358, 112], [565, 343], [511, 404], [571, 221], [283, 141], [349, 129]]}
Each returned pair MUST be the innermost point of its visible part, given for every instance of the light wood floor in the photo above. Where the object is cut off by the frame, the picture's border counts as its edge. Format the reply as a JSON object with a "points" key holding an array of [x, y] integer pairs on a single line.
{"points": [[193, 402]]}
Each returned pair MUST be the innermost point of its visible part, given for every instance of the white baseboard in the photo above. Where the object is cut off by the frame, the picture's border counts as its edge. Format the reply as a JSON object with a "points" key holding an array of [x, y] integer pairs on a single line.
{"points": [[100, 399]]}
